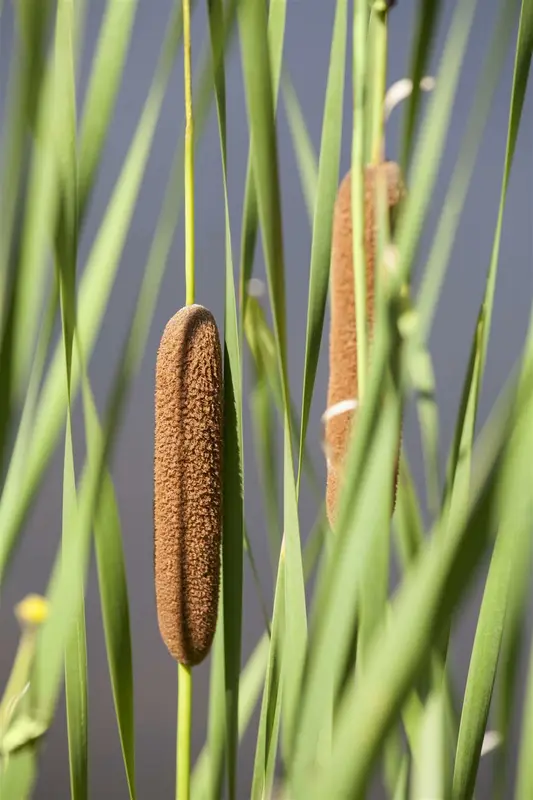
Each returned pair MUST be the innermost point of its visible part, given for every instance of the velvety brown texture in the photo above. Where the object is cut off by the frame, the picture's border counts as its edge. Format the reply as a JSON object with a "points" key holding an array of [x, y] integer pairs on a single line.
{"points": [[188, 483], [343, 337]]}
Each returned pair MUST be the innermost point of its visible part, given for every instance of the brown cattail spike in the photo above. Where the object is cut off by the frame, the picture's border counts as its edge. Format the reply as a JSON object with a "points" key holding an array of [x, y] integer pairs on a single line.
{"points": [[187, 483], [343, 338]]}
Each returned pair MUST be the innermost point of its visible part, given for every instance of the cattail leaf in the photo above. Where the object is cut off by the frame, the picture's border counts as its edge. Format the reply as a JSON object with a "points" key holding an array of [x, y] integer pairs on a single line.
{"points": [[115, 613], [32, 28], [112, 584], [443, 240], [265, 396], [422, 376], [432, 137], [394, 763], [488, 637], [456, 491], [422, 607], [276, 34], [64, 103], [330, 607], [306, 158], [401, 791], [65, 589], [233, 488], [262, 346], [75, 651], [21, 484], [207, 780], [256, 579], [64, 584], [408, 517], [430, 778], [269, 721], [524, 779], [512, 542], [374, 578], [315, 542], [328, 173], [471, 390], [252, 681], [512, 648], [19, 779], [260, 106], [337, 597], [427, 20], [95, 289], [441, 248], [264, 425], [106, 75], [296, 621], [39, 219]]}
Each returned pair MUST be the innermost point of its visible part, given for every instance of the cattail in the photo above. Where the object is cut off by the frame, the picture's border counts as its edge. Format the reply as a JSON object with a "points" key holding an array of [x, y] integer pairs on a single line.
{"points": [[343, 386], [188, 483]]}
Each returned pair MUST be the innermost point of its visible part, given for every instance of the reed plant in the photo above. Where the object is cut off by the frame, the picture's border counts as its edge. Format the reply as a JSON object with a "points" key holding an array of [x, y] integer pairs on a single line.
{"points": [[351, 675]]}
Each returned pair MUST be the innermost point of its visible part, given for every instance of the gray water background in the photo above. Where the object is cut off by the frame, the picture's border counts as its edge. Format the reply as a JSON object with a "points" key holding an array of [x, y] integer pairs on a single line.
{"points": [[306, 55]]}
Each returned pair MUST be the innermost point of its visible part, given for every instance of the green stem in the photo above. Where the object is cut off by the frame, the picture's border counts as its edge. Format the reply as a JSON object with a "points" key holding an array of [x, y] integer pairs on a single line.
{"points": [[183, 748], [378, 30], [357, 187], [189, 157]]}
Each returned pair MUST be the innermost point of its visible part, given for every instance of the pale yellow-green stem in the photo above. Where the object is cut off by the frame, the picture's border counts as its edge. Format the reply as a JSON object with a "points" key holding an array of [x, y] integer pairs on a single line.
{"points": [[183, 737], [357, 180], [189, 157], [183, 745], [378, 27]]}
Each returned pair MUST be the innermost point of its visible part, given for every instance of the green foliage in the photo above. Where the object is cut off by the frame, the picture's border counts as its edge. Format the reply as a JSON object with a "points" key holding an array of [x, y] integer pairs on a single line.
{"points": [[351, 680]]}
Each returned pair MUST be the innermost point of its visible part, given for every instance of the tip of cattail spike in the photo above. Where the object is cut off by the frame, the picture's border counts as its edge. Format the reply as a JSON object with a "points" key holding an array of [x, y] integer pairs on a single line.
{"points": [[188, 483], [343, 385]]}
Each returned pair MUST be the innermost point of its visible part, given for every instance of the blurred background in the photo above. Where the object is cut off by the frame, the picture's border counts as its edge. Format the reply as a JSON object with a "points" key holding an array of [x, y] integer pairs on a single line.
{"points": [[306, 56]]}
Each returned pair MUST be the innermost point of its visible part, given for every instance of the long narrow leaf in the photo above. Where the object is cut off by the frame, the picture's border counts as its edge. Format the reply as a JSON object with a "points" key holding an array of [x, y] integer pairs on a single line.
{"points": [[260, 104], [514, 532], [106, 74], [94, 294], [427, 19], [421, 608], [64, 105], [269, 722], [328, 171], [233, 469]]}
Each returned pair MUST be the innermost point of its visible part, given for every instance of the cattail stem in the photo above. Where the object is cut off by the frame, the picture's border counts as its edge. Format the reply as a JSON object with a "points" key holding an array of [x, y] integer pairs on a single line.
{"points": [[183, 738], [379, 38], [183, 748], [189, 157], [357, 192]]}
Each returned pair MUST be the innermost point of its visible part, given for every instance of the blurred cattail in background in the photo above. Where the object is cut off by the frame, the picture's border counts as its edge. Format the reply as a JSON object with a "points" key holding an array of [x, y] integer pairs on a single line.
{"points": [[343, 384], [188, 483]]}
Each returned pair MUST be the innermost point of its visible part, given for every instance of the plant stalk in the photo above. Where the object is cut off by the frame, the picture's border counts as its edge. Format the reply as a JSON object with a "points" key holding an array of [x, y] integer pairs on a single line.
{"points": [[189, 157], [183, 738], [183, 748], [360, 22], [379, 37]]}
